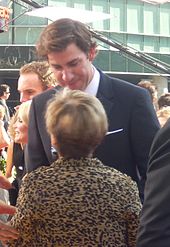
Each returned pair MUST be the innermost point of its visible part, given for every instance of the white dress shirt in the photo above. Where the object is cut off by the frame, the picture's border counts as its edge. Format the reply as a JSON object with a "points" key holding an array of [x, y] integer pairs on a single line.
{"points": [[93, 86]]}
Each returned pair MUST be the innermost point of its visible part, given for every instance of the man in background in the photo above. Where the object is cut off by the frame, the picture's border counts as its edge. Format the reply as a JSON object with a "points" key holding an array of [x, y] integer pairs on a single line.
{"points": [[4, 95], [34, 78]]}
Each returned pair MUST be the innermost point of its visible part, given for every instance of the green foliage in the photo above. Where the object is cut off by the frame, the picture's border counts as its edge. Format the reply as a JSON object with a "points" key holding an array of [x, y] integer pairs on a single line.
{"points": [[2, 165]]}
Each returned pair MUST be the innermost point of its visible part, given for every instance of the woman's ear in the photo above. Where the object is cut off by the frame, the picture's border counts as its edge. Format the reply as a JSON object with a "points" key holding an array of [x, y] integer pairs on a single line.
{"points": [[53, 141]]}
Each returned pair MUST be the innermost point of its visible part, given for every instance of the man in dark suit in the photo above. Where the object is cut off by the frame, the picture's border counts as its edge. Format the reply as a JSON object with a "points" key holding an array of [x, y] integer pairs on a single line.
{"points": [[70, 50], [154, 228], [4, 95]]}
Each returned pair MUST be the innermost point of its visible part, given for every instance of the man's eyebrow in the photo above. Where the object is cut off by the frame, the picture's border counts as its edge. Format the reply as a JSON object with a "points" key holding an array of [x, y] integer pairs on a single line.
{"points": [[28, 90], [55, 65], [74, 60], [69, 62]]}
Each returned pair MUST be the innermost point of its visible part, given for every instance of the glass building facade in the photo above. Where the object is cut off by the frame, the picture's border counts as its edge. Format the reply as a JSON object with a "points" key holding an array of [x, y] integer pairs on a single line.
{"points": [[133, 23]]}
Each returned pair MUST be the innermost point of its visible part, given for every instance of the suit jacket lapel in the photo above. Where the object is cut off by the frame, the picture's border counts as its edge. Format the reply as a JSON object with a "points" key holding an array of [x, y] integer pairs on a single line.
{"points": [[105, 92], [47, 141]]}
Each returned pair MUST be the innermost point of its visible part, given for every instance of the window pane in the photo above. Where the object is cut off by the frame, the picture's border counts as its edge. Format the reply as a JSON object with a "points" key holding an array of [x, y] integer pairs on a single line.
{"points": [[133, 18], [25, 19], [100, 6], [118, 62], [151, 19], [164, 45], [151, 44], [135, 41], [6, 37], [102, 60], [27, 35], [134, 66], [15, 56], [58, 3], [117, 11], [164, 21]]}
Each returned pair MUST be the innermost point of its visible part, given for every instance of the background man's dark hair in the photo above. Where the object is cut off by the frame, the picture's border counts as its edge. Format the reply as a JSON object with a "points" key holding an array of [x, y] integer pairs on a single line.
{"points": [[3, 88]]}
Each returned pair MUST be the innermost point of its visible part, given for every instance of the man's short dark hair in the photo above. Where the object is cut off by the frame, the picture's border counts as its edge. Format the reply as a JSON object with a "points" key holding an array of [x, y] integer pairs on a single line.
{"points": [[3, 88], [59, 34]]}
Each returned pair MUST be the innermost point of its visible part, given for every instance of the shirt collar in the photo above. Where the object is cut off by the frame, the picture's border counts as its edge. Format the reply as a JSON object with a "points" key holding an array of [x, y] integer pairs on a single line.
{"points": [[93, 86]]}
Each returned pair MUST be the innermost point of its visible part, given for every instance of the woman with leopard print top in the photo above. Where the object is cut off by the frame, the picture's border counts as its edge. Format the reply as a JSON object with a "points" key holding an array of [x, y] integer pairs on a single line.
{"points": [[77, 201]]}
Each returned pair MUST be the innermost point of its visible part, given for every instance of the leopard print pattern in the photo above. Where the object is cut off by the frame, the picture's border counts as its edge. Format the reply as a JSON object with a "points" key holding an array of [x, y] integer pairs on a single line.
{"points": [[77, 203]]}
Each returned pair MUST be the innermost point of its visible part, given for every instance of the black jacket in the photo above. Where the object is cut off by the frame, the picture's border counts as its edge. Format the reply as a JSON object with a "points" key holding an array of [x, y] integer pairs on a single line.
{"points": [[154, 228]]}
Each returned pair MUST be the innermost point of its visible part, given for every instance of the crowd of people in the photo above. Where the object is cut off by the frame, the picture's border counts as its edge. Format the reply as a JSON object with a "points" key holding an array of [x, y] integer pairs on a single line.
{"points": [[161, 103], [87, 150]]}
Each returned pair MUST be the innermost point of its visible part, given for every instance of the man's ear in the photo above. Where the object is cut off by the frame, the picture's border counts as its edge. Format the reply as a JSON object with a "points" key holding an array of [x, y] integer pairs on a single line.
{"points": [[92, 54]]}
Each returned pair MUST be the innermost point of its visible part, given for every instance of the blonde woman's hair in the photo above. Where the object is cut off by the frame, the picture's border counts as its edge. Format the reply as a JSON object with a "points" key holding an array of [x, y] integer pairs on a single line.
{"points": [[23, 111], [11, 130], [78, 123]]}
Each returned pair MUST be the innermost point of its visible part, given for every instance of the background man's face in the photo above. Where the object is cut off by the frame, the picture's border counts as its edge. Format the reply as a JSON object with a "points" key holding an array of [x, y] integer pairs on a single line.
{"points": [[29, 85], [6, 94]]}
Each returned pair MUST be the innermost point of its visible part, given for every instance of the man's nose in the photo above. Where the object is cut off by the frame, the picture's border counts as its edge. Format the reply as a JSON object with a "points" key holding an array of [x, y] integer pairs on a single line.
{"points": [[67, 75], [23, 98]]}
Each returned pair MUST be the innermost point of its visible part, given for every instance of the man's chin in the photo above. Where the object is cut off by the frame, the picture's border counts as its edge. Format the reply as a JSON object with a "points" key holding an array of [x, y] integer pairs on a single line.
{"points": [[73, 87]]}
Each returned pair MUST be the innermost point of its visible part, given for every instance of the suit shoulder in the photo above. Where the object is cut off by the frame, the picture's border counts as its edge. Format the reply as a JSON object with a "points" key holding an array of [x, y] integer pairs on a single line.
{"points": [[120, 88], [161, 142], [46, 95], [115, 175]]}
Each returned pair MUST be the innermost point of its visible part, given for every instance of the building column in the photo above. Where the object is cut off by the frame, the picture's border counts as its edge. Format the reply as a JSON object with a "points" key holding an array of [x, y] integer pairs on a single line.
{"points": [[161, 84]]}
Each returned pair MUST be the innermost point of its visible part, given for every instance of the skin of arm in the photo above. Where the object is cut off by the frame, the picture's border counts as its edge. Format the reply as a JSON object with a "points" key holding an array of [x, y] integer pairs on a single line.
{"points": [[4, 136], [9, 164], [6, 231]]}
